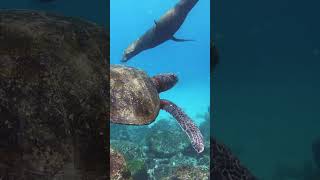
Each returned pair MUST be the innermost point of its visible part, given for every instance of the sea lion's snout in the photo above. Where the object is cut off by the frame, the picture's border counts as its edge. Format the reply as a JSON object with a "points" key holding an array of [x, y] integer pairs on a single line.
{"points": [[125, 57], [129, 53]]}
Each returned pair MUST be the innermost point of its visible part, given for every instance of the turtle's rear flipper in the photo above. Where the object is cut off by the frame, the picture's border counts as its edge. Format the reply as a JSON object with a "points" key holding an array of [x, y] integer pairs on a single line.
{"points": [[186, 124]]}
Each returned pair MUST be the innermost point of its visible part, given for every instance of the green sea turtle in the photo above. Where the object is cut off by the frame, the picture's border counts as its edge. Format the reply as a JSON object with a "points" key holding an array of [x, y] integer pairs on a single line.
{"points": [[135, 100], [53, 96]]}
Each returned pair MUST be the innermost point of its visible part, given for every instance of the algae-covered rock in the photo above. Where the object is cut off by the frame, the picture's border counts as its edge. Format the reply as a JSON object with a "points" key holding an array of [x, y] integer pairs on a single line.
{"points": [[118, 166], [53, 94]]}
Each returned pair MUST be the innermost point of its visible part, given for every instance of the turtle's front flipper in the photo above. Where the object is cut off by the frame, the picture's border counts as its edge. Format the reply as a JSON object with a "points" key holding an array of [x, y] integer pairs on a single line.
{"points": [[186, 124]]}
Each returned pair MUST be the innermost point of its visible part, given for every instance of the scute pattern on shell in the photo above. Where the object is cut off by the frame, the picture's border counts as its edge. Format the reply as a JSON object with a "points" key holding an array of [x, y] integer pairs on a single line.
{"points": [[53, 93], [134, 99]]}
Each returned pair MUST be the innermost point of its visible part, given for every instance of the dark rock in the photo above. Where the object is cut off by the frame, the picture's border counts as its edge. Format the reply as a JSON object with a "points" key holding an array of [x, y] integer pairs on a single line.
{"points": [[53, 94], [225, 166]]}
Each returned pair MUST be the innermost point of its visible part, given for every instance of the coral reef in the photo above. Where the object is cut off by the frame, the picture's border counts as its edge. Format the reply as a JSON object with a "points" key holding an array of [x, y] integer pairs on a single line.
{"points": [[159, 151], [162, 151], [188, 172], [129, 149], [118, 166], [138, 169], [174, 143]]}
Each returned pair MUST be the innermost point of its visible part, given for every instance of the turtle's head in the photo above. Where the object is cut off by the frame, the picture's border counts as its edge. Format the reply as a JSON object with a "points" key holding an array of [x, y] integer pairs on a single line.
{"points": [[163, 82]]}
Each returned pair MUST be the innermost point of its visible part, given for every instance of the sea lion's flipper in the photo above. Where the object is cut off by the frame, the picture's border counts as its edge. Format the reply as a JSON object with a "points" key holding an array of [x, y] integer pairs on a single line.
{"points": [[155, 22], [180, 40]]}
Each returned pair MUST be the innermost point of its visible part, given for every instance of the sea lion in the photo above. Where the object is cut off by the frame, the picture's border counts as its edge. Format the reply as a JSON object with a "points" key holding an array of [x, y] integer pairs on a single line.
{"points": [[163, 29]]}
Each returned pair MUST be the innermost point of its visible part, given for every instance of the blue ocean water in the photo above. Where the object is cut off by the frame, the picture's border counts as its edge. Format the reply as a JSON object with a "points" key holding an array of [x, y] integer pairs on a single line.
{"points": [[94, 10], [190, 60], [266, 87]]}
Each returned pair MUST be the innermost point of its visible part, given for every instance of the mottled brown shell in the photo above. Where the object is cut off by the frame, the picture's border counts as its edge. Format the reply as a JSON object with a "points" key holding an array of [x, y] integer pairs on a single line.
{"points": [[53, 95], [134, 99]]}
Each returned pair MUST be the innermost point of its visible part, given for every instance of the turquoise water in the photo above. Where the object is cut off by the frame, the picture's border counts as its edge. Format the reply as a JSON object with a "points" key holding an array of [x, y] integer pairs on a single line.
{"points": [[266, 88], [190, 60]]}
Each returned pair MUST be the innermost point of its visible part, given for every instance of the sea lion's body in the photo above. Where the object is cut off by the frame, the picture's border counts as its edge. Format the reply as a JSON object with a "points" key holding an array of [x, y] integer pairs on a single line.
{"points": [[163, 30]]}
